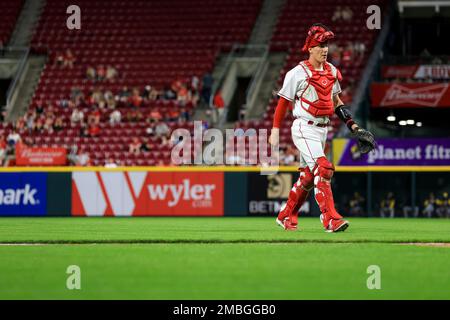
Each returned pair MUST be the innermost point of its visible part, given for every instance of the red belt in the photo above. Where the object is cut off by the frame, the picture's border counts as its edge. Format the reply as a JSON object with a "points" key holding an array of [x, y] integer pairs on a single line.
{"points": [[322, 125]]}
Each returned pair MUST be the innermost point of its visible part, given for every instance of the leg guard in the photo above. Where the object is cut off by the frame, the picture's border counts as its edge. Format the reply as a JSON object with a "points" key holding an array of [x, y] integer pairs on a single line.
{"points": [[323, 172], [297, 196]]}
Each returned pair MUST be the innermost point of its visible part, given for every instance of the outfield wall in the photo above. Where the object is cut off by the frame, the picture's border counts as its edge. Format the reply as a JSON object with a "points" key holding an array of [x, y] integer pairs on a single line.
{"points": [[197, 191]]}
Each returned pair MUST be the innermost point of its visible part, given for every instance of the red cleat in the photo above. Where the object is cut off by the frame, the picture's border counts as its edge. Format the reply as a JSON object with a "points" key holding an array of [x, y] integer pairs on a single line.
{"points": [[286, 224], [335, 225]]}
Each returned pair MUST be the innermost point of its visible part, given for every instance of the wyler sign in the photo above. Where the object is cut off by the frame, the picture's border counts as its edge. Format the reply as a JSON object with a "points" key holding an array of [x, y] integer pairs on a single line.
{"points": [[394, 152], [23, 194], [147, 194]]}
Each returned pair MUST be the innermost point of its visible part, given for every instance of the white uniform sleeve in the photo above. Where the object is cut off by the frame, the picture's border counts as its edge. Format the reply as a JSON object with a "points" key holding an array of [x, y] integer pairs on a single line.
{"points": [[289, 86], [336, 88]]}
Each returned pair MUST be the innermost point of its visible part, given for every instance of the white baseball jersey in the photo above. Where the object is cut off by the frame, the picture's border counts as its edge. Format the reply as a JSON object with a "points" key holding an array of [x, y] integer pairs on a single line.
{"points": [[294, 86], [309, 139]]}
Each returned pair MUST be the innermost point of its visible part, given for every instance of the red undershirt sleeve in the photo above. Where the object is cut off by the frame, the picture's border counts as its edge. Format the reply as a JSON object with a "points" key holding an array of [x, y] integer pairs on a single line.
{"points": [[280, 112]]}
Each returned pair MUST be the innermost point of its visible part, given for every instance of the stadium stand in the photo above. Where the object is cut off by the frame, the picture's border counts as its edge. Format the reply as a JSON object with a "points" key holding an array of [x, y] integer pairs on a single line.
{"points": [[349, 50], [148, 43], [10, 12]]}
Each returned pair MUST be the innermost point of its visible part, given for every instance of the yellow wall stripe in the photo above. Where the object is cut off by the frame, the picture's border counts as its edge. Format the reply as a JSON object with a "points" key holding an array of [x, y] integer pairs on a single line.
{"points": [[228, 169]]}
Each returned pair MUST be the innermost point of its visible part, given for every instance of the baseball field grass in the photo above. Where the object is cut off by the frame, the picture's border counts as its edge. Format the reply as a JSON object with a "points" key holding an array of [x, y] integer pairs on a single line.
{"points": [[222, 258]]}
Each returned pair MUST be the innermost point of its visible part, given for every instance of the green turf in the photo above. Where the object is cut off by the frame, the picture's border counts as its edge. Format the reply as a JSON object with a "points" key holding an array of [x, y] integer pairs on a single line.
{"points": [[222, 258]]}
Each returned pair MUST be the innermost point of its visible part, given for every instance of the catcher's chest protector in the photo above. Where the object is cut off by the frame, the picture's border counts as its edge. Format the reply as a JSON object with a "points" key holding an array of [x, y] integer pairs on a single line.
{"points": [[321, 83]]}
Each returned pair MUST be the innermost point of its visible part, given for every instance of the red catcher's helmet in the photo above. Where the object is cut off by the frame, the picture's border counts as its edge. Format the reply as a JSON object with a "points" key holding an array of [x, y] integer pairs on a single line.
{"points": [[317, 34]]}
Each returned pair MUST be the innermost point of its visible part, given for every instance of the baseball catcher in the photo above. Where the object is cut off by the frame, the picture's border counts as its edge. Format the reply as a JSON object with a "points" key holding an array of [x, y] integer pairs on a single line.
{"points": [[313, 87]]}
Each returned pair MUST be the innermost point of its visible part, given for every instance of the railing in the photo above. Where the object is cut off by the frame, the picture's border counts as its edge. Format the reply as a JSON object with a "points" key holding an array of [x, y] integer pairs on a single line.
{"points": [[241, 51], [221, 79], [257, 78], [19, 73]]}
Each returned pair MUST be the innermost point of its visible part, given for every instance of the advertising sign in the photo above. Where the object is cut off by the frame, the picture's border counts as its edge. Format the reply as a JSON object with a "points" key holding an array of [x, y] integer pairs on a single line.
{"points": [[425, 71], [147, 193], [267, 193], [394, 152], [23, 194], [38, 156], [410, 95]]}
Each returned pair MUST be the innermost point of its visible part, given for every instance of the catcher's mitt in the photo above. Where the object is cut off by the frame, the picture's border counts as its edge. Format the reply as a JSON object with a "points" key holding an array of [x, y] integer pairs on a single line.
{"points": [[366, 140]]}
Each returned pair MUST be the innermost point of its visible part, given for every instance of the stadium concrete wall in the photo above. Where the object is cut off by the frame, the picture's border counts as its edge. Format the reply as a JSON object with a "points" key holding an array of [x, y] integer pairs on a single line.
{"points": [[191, 191]]}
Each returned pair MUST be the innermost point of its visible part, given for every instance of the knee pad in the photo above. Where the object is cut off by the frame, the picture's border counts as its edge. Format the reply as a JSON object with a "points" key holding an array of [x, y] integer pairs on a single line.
{"points": [[324, 168], [306, 179]]}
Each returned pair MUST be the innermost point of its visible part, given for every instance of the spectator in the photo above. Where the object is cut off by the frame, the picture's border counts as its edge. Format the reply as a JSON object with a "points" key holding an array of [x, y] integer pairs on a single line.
{"points": [[94, 130], [69, 59], [183, 95], [59, 124], [387, 205], [135, 146], [195, 82], [443, 205], [111, 73], [110, 163], [337, 14], [207, 83], [111, 103], [39, 125], [3, 149], [84, 130], [176, 85], [95, 96], [77, 116], [83, 158], [115, 117], [173, 115], [94, 117], [48, 124], [429, 205], [146, 146], [356, 204], [20, 124], [359, 48], [101, 73], [40, 107], [184, 115], [123, 94], [290, 155], [347, 14], [146, 93], [72, 156], [169, 94], [154, 116], [134, 115], [91, 73], [407, 209], [30, 120], [13, 138], [135, 100], [59, 60], [162, 130], [76, 93], [219, 104]]}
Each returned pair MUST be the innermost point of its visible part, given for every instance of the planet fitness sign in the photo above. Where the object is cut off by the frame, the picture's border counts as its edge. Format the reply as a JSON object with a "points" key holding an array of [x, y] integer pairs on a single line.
{"points": [[394, 152]]}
